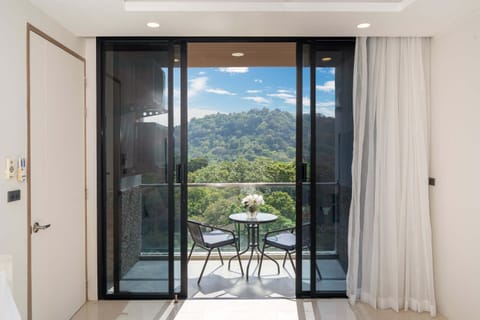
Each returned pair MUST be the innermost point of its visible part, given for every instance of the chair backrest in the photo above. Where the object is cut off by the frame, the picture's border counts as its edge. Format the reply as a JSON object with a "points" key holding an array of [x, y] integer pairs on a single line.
{"points": [[195, 231]]}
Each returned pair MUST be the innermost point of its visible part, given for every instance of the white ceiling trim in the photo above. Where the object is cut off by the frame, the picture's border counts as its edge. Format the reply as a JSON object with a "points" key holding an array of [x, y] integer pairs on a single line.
{"points": [[263, 6]]}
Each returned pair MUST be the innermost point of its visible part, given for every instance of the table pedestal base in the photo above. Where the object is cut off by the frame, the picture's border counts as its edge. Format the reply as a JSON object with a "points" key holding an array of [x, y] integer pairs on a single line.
{"points": [[253, 247]]}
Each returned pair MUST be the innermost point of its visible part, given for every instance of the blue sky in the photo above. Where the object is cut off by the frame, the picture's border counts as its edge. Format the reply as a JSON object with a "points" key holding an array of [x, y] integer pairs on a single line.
{"points": [[237, 89]]}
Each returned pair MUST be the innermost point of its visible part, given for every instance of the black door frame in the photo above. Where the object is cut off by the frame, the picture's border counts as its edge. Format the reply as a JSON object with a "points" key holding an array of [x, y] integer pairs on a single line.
{"points": [[181, 176], [303, 174], [173, 176]]}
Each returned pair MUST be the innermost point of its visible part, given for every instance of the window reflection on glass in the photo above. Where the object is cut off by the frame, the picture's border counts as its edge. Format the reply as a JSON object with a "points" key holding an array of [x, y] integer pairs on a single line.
{"points": [[334, 139], [136, 132]]}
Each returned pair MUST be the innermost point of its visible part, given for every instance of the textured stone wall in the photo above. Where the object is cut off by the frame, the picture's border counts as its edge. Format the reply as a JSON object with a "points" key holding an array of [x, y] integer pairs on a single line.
{"points": [[130, 228]]}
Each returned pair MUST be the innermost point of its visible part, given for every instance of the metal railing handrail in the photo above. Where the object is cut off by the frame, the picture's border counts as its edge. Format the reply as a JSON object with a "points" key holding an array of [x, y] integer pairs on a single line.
{"points": [[235, 184]]}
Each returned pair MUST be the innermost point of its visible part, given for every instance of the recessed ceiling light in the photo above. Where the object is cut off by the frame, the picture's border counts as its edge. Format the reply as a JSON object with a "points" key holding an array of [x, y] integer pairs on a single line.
{"points": [[153, 25], [176, 60], [238, 54], [326, 59], [363, 25]]}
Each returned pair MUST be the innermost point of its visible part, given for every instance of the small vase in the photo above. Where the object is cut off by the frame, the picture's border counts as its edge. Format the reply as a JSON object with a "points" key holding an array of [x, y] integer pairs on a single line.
{"points": [[251, 213]]}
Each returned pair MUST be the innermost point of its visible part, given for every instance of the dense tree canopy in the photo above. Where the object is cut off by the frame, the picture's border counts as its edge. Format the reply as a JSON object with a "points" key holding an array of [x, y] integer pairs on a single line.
{"points": [[255, 133], [254, 146], [259, 170]]}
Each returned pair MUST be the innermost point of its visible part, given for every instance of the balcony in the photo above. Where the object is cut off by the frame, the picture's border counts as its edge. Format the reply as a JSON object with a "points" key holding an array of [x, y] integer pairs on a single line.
{"points": [[146, 270]]}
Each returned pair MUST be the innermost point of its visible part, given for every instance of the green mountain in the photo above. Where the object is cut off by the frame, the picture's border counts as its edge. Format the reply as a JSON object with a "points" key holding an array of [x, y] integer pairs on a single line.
{"points": [[252, 146], [252, 134]]}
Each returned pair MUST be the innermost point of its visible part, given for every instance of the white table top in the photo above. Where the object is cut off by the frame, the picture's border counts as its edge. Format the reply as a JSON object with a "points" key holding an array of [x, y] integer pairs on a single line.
{"points": [[260, 218]]}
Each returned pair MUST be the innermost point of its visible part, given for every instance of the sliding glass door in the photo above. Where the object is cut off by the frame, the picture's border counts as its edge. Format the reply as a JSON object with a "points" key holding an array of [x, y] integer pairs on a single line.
{"points": [[142, 168], [142, 245], [324, 157]]}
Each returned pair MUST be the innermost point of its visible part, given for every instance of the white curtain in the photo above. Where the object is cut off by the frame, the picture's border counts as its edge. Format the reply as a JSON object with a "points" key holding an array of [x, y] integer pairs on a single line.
{"points": [[390, 248]]}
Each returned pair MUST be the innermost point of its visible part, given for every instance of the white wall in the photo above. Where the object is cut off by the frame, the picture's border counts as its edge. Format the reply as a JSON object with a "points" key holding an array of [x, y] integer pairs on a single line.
{"points": [[91, 102], [455, 163], [14, 14]]}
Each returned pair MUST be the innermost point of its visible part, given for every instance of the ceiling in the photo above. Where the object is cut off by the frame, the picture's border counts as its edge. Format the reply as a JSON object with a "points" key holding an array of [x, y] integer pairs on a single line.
{"points": [[257, 18], [219, 54]]}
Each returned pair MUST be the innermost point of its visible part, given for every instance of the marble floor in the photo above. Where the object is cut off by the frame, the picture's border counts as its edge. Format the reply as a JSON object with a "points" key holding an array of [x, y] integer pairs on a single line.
{"points": [[219, 282], [237, 309], [224, 294]]}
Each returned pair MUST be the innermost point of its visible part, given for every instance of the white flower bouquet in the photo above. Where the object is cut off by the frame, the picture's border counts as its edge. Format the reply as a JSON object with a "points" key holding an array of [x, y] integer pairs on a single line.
{"points": [[252, 202]]}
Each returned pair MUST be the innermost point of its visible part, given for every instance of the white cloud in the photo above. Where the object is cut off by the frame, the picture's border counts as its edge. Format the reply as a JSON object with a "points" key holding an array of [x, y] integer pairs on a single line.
{"points": [[220, 91], [192, 113], [234, 69], [287, 95], [258, 80], [327, 86], [287, 98], [254, 91], [201, 73], [291, 101], [257, 99], [197, 85], [306, 101], [327, 108], [200, 84], [285, 91], [326, 104], [329, 70], [326, 112], [282, 95], [176, 93]]}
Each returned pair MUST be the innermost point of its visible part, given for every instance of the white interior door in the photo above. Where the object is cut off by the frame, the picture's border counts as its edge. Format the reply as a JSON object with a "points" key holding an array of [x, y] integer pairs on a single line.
{"points": [[57, 160]]}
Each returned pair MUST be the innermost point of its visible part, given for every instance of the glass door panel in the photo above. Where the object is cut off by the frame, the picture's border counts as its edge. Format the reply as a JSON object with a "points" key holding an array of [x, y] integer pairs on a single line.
{"points": [[324, 150], [179, 176], [305, 167], [333, 158], [138, 151]]}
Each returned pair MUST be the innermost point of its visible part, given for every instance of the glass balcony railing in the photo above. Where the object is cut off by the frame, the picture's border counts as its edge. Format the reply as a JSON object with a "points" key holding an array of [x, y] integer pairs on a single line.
{"points": [[213, 203]]}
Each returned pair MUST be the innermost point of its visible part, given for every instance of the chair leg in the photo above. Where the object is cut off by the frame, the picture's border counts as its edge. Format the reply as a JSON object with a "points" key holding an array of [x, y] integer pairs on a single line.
{"points": [[220, 254], [238, 257], [285, 258], [191, 250], [318, 271], [291, 260], [204, 265]]}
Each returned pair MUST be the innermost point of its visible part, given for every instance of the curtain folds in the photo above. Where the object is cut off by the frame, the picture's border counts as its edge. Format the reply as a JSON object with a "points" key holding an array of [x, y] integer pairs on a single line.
{"points": [[390, 249]]}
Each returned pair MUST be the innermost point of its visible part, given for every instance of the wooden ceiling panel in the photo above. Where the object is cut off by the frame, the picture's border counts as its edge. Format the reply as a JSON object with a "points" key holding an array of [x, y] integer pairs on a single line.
{"points": [[257, 54]]}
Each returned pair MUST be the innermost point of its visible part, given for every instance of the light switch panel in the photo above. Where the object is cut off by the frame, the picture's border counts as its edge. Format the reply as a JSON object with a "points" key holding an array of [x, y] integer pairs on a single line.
{"points": [[9, 168]]}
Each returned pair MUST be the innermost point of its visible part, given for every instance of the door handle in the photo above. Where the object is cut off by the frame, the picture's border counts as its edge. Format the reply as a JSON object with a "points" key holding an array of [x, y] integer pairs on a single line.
{"points": [[37, 227], [179, 174], [303, 172]]}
